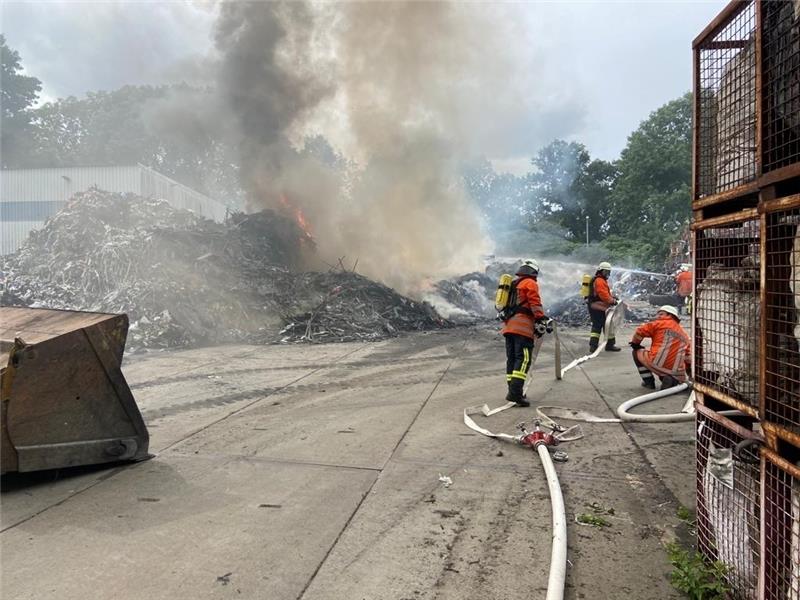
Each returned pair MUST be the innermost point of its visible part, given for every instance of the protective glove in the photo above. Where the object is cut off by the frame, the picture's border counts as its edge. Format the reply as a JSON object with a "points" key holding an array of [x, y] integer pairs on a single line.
{"points": [[540, 328], [549, 324], [636, 345]]}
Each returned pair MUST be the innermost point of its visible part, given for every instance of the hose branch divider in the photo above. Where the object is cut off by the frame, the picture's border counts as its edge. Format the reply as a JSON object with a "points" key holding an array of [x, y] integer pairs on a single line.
{"points": [[544, 443]]}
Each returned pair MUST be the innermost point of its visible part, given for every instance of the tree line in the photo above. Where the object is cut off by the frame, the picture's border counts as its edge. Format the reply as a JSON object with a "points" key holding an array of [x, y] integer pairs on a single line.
{"points": [[636, 205]]}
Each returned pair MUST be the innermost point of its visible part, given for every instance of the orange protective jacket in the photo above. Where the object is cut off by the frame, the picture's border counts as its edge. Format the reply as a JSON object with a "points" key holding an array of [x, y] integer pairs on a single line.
{"points": [[601, 294], [684, 281], [521, 323], [669, 349]]}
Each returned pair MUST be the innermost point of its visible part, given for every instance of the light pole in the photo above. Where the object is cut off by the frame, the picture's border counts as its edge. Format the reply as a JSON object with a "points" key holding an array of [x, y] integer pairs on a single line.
{"points": [[587, 231]]}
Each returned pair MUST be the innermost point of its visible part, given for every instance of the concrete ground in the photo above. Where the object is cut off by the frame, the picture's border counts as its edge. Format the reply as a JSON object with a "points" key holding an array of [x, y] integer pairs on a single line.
{"points": [[313, 472]]}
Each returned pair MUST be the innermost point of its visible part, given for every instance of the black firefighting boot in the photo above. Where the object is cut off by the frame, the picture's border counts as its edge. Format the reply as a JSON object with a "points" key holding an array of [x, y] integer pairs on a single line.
{"points": [[611, 347], [593, 343], [649, 383], [515, 393], [668, 381]]}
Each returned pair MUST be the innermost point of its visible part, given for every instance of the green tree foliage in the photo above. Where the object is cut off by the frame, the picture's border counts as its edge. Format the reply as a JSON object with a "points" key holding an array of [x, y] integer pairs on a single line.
{"points": [[651, 200], [161, 127], [569, 187], [636, 205], [501, 197], [19, 93]]}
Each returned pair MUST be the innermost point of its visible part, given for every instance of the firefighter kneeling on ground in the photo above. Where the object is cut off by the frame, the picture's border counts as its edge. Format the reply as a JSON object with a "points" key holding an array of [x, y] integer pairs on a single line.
{"points": [[526, 322], [668, 352], [600, 300]]}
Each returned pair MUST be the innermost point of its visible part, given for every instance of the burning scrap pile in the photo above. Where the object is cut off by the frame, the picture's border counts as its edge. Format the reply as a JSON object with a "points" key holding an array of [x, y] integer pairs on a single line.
{"points": [[186, 281], [345, 306]]}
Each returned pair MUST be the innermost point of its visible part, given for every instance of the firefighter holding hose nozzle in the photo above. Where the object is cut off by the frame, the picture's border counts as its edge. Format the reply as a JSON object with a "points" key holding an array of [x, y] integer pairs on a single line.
{"points": [[668, 352], [600, 300], [524, 320]]}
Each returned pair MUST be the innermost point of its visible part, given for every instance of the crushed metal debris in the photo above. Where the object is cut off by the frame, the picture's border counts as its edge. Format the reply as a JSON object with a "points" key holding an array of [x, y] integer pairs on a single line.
{"points": [[188, 281]]}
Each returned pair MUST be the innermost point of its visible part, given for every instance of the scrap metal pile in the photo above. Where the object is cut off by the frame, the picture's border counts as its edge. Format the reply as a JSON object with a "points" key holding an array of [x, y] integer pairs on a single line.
{"points": [[344, 306], [187, 281], [473, 294], [470, 297]]}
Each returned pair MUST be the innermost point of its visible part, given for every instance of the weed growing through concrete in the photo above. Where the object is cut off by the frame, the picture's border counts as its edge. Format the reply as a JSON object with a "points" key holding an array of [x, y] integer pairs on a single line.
{"points": [[695, 577], [593, 520], [685, 515]]}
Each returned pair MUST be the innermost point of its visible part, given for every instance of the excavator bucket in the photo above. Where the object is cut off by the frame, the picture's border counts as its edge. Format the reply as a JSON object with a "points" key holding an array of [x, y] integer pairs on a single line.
{"points": [[64, 399]]}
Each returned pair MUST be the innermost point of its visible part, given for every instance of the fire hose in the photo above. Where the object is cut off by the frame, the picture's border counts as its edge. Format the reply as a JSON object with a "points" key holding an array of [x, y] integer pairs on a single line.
{"points": [[613, 318], [544, 443], [548, 414]]}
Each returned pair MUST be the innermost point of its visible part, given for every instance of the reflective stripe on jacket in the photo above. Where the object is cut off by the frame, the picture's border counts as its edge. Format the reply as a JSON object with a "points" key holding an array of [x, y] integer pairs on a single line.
{"points": [[521, 323], [600, 294], [684, 282], [668, 350]]}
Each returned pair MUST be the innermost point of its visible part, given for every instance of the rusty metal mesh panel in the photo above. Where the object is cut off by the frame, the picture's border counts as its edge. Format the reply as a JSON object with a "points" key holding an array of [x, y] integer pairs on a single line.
{"points": [[728, 505], [727, 310], [782, 534], [726, 107], [782, 401], [781, 83]]}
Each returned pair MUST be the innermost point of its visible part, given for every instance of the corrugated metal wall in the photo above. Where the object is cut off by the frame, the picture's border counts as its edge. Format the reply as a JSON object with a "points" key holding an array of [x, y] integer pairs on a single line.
{"points": [[29, 196], [156, 185]]}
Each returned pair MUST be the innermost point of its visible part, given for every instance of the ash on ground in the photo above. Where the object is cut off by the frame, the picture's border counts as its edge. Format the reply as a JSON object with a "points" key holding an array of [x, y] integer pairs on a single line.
{"points": [[188, 281]]}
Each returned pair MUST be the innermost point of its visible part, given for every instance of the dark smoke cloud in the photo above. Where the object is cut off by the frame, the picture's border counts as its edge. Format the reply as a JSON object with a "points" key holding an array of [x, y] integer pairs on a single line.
{"points": [[265, 93], [399, 87]]}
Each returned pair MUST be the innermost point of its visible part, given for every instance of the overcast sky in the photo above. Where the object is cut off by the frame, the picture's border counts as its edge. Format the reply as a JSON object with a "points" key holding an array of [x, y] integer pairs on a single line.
{"points": [[602, 66]]}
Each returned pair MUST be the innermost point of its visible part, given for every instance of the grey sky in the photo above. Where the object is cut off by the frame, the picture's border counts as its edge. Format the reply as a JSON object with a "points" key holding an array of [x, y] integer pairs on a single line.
{"points": [[601, 67]]}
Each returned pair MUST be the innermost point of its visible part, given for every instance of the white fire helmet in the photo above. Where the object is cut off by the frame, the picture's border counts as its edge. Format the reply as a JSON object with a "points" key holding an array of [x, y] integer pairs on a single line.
{"points": [[604, 266], [529, 266], [669, 309], [685, 267]]}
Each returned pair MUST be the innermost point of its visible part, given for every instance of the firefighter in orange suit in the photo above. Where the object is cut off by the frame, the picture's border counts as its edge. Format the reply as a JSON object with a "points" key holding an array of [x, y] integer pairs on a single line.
{"points": [[669, 349], [526, 323], [599, 300], [683, 283]]}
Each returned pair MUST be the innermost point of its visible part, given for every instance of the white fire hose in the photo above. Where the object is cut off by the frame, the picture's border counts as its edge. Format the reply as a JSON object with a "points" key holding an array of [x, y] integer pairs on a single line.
{"points": [[543, 443], [613, 319], [548, 414], [558, 552]]}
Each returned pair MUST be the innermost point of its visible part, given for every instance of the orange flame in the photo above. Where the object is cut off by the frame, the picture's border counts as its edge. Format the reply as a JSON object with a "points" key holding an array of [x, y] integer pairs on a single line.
{"points": [[299, 217]]}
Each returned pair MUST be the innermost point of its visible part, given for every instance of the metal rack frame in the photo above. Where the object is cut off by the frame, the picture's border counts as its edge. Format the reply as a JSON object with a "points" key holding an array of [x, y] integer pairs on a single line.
{"points": [[729, 512], [717, 54]]}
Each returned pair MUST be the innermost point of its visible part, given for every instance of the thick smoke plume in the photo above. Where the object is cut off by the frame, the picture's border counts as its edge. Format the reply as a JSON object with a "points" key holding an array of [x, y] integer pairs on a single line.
{"points": [[401, 90]]}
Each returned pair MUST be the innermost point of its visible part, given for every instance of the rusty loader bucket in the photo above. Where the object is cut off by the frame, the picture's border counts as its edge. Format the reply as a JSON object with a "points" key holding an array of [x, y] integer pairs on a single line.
{"points": [[65, 401]]}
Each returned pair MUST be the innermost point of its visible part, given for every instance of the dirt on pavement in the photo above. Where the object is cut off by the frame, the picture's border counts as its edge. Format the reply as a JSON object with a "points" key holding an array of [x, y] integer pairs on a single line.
{"points": [[320, 472]]}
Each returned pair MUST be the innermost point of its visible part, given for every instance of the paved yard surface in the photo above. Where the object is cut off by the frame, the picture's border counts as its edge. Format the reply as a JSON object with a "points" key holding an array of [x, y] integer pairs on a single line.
{"points": [[312, 472]]}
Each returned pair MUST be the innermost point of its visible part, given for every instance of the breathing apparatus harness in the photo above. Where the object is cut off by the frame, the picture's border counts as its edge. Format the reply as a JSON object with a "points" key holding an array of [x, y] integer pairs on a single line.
{"points": [[512, 306]]}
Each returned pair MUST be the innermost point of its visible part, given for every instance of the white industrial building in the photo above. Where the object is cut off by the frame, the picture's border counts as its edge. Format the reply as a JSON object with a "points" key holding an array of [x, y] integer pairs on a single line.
{"points": [[29, 196]]}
